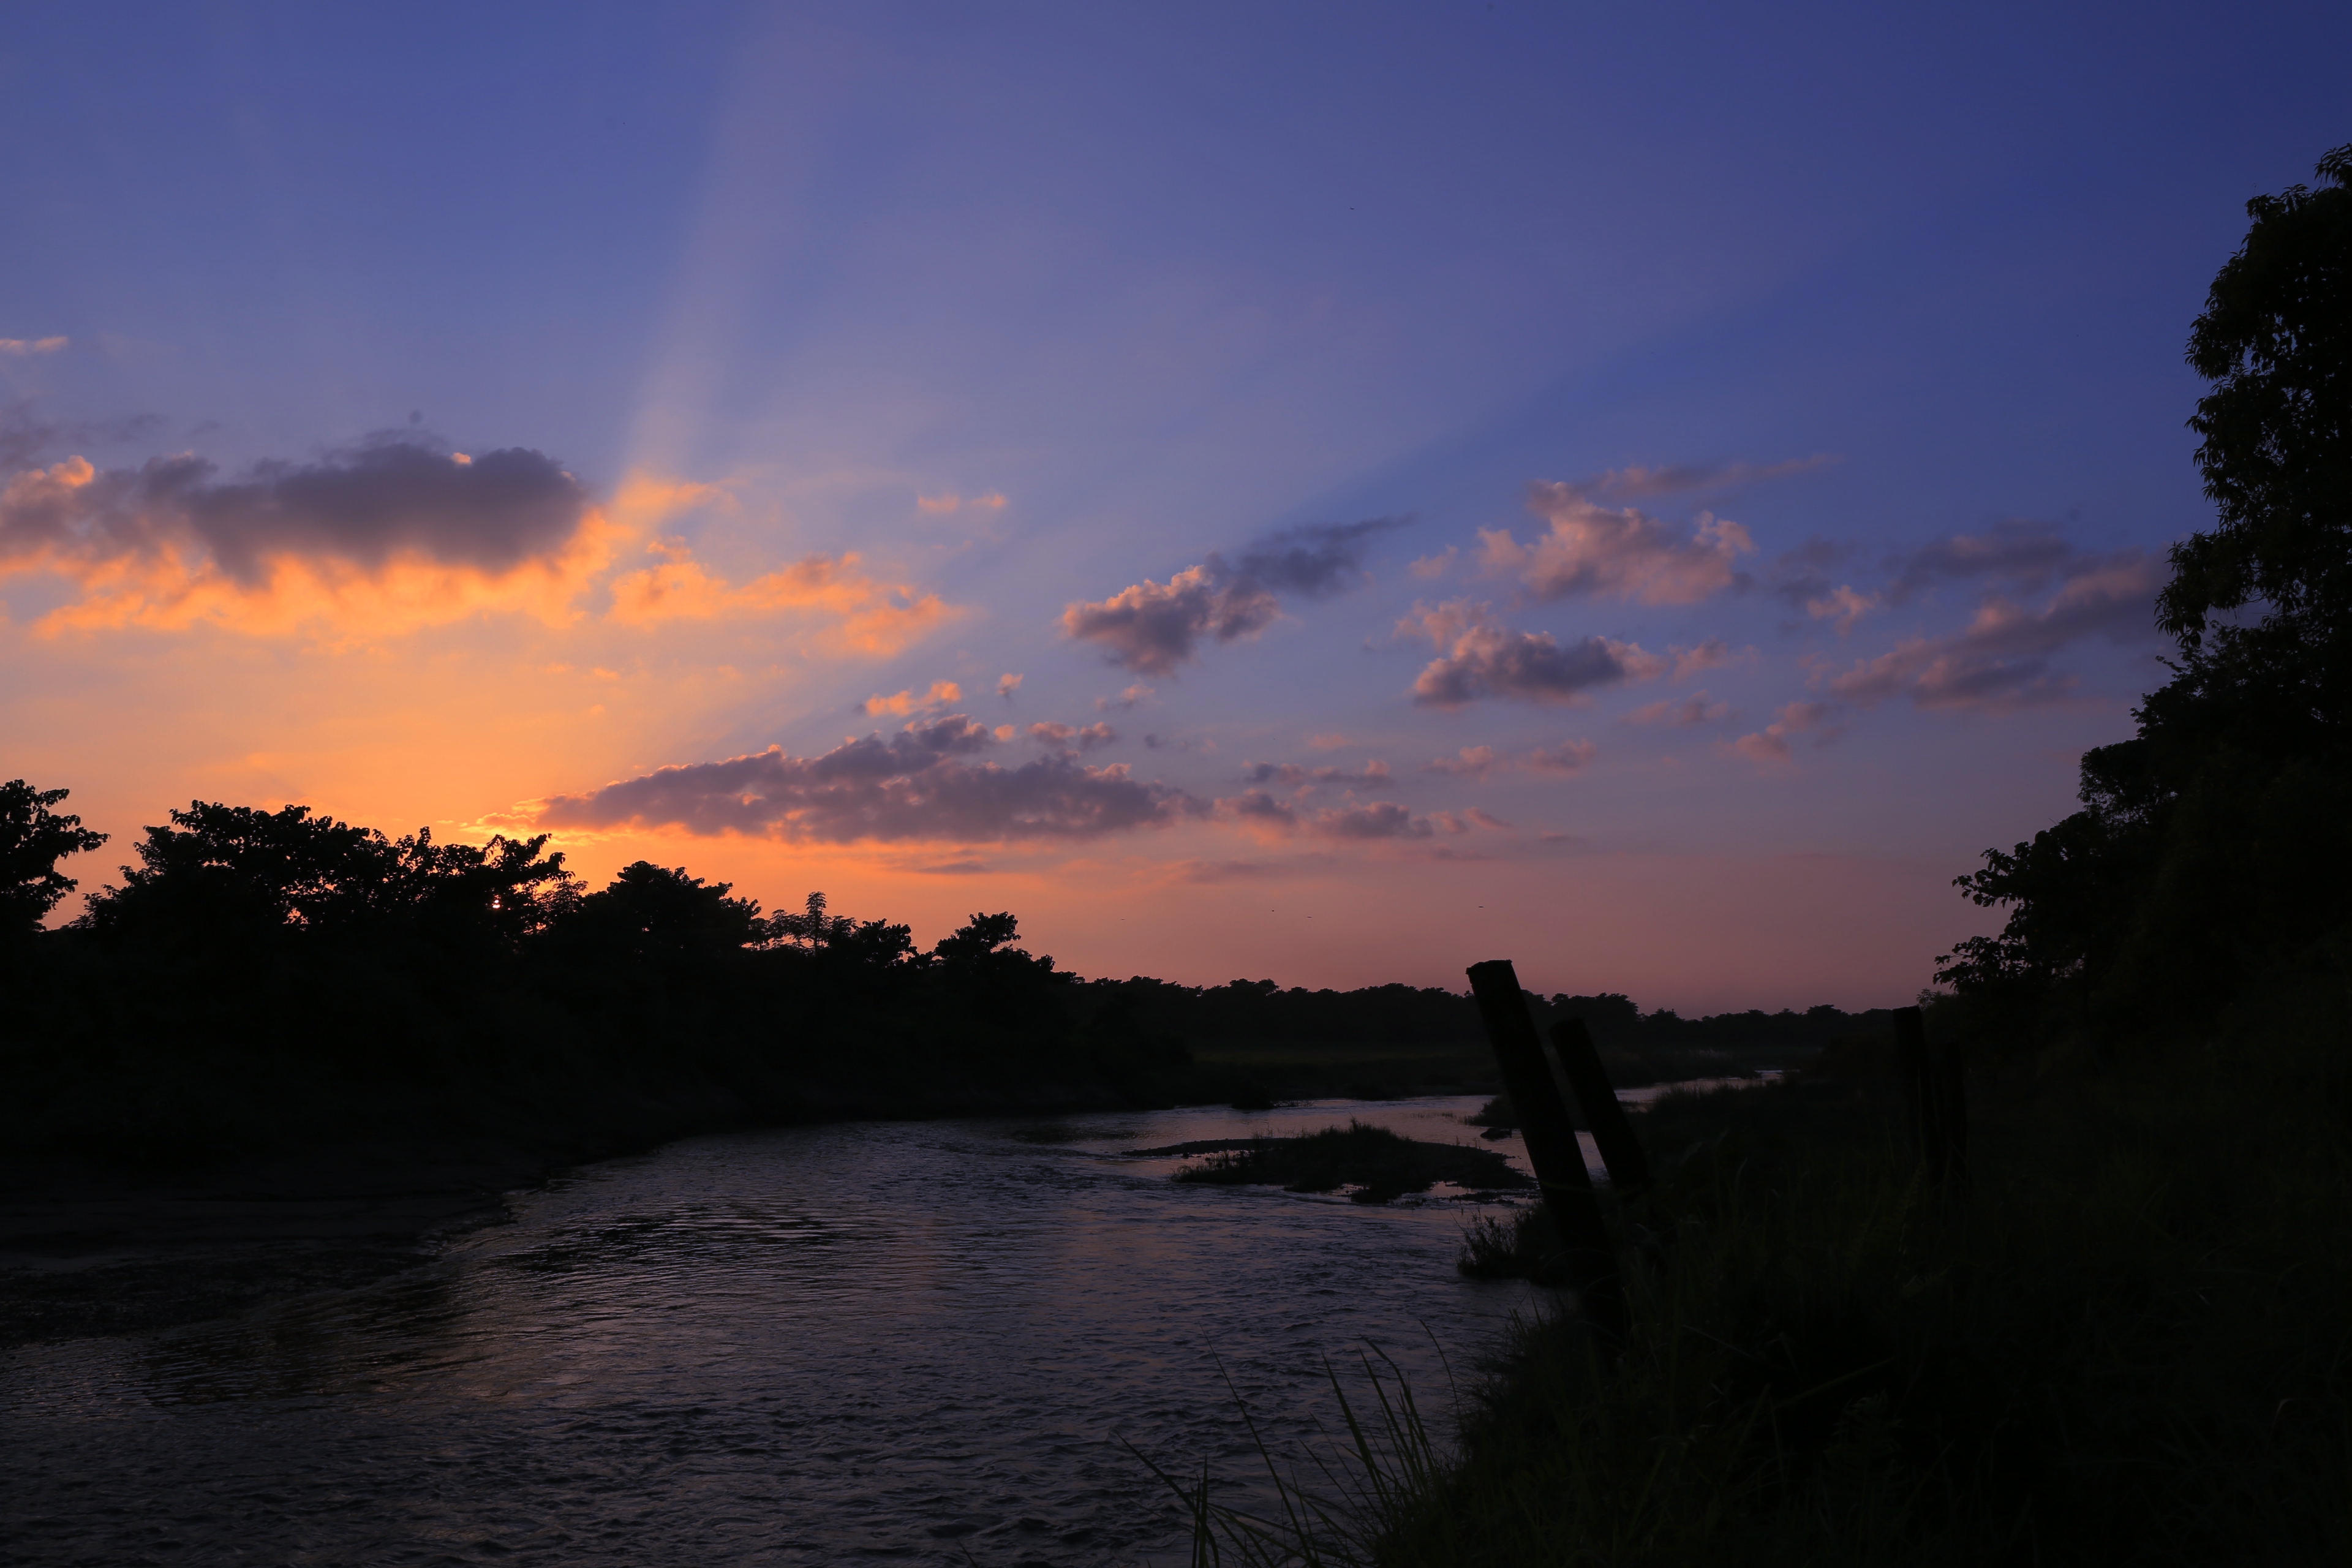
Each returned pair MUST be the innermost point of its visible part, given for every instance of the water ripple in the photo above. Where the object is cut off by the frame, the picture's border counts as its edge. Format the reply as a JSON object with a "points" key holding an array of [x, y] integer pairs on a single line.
{"points": [[900, 1341]]}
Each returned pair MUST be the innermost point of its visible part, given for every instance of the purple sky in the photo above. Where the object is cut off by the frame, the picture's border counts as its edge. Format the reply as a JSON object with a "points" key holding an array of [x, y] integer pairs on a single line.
{"points": [[1650, 493]]}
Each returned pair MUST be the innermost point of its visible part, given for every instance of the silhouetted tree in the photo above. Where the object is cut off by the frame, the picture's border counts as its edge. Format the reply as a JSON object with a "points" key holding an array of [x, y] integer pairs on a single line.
{"points": [[811, 928], [652, 912], [222, 872], [2276, 341], [33, 839], [231, 872], [2219, 839], [1003, 984], [509, 889]]}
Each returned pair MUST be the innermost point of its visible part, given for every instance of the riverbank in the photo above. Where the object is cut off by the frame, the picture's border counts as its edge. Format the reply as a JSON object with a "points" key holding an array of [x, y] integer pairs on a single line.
{"points": [[2121, 1343]]}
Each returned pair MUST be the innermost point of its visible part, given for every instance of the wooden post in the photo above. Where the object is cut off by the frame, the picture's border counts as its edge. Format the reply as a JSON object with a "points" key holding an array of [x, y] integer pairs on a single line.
{"points": [[1934, 1086], [1612, 1130], [1919, 1089], [1552, 1148], [1952, 1109]]}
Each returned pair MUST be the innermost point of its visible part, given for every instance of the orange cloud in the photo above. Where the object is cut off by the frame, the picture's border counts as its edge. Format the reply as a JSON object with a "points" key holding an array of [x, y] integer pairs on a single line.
{"points": [[941, 693], [392, 536], [386, 535], [873, 618], [175, 587]]}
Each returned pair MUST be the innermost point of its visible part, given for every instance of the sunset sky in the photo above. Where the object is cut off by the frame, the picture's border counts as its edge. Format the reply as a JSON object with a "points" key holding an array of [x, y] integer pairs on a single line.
{"points": [[1326, 493]]}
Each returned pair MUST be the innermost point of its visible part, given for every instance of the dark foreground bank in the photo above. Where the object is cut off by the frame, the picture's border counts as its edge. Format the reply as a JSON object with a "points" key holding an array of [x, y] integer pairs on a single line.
{"points": [[2123, 1342]]}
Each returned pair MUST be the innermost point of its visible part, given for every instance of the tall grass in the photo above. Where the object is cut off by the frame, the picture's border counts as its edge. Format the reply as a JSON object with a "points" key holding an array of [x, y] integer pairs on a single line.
{"points": [[2130, 1343]]}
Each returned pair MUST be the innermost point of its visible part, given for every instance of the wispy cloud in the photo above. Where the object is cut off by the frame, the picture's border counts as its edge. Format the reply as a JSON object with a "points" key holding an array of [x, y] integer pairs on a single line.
{"points": [[1006, 685], [942, 505], [2018, 556], [25, 348], [1636, 483], [1292, 776], [1770, 745], [1478, 657], [1478, 761], [2012, 559], [867, 615], [1695, 708], [942, 694], [1355, 822], [1155, 627], [2000, 660], [1712, 654], [1129, 698]]}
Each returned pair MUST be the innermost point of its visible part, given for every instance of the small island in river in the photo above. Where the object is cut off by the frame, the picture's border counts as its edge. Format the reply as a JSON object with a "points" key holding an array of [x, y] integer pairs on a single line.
{"points": [[1378, 1164]]}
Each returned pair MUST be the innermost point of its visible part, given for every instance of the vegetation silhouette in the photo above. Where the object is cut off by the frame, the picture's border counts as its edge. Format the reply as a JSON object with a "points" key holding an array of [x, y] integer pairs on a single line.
{"points": [[2213, 847], [261, 979], [33, 839]]}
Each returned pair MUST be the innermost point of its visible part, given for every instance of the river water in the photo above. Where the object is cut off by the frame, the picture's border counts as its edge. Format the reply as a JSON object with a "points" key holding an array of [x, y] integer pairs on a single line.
{"points": [[893, 1342]]}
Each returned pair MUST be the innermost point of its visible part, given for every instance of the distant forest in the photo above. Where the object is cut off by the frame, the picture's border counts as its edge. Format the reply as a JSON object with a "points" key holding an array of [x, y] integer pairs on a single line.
{"points": [[263, 979], [1260, 1012]]}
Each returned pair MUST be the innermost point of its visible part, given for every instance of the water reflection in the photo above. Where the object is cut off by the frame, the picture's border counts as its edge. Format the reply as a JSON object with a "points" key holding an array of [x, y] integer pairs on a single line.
{"points": [[900, 1340]]}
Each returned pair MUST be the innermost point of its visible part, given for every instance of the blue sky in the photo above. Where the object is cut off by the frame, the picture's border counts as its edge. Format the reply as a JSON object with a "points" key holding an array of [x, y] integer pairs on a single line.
{"points": [[1025, 308]]}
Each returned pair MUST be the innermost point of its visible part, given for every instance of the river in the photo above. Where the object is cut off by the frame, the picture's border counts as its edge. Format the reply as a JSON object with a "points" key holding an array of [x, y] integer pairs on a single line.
{"points": [[909, 1342]]}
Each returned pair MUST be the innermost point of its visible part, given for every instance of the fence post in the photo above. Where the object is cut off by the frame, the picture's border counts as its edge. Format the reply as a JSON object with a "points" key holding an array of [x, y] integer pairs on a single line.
{"points": [[1612, 1130], [1552, 1148], [1934, 1089], [1952, 1109], [1919, 1088]]}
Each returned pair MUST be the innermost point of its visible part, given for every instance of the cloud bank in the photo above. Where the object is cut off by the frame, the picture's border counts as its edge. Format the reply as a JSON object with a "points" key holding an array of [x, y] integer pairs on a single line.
{"points": [[914, 786], [1478, 761], [392, 534], [362, 506]]}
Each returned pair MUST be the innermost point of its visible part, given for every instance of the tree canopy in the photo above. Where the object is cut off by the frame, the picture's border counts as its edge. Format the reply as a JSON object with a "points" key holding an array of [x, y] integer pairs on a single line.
{"points": [[33, 839], [2216, 845], [2276, 341]]}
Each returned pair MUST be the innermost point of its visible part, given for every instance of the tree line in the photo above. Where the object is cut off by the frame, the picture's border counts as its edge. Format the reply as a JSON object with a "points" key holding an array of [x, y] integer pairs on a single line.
{"points": [[262, 977]]}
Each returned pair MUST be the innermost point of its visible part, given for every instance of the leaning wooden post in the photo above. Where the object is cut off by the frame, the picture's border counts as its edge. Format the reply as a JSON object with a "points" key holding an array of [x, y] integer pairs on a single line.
{"points": [[1612, 1130], [1952, 1109], [1552, 1148], [1918, 1088]]}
